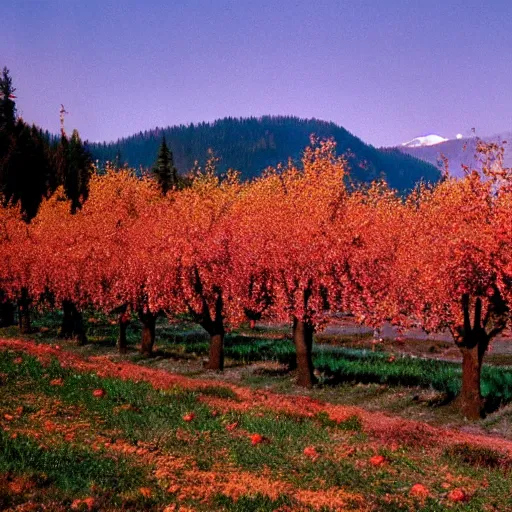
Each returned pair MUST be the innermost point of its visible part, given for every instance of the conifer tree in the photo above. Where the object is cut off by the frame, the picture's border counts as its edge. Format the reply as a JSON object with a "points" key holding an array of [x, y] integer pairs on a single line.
{"points": [[164, 169], [7, 105], [74, 168], [77, 183]]}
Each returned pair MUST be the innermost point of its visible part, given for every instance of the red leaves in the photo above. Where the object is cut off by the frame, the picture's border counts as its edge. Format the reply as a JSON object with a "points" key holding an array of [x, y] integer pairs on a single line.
{"points": [[257, 439], [146, 492], [310, 451], [57, 382], [419, 491], [87, 502], [99, 393], [189, 417], [457, 495], [377, 460], [232, 426]]}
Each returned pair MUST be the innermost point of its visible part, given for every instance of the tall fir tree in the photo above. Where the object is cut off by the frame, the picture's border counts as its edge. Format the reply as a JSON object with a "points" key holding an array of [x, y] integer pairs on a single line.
{"points": [[7, 105], [164, 169], [73, 167], [80, 169]]}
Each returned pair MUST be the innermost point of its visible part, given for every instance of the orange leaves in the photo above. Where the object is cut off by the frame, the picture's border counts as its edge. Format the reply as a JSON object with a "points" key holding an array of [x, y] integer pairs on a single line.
{"points": [[146, 492], [377, 460], [419, 491], [295, 242], [310, 452], [457, 495], [85, 504], [189, 417], [257, 439]]}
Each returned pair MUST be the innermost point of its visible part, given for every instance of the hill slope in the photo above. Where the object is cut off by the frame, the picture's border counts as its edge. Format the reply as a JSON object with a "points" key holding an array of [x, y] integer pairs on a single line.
{"points": [[252, 144]]}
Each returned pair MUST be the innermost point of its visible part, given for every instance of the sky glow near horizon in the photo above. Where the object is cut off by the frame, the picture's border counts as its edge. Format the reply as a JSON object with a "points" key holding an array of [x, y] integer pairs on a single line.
{"points": [[388, 71]]}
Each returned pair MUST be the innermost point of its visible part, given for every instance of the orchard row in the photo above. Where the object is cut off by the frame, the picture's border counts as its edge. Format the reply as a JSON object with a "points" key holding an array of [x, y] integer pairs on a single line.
{"points": [[295, 245]]}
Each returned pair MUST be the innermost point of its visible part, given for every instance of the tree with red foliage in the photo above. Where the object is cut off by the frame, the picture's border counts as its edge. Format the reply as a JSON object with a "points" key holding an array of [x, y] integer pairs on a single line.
{"points": [[453, 269], [88, 258], [17, 257], [194, 261], [282, 226]]}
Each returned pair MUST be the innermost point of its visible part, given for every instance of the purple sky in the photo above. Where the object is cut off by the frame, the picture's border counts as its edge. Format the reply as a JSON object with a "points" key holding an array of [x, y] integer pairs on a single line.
{"points": [[386, 70]]}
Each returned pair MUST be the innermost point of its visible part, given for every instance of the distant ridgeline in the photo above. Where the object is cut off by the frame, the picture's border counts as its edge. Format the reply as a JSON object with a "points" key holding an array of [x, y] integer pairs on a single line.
{"points": [[249, 145]]}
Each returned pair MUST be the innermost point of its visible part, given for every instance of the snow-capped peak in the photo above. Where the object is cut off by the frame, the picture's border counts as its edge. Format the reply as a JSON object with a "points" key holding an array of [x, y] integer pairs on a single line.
{"points": [[427, 140]]}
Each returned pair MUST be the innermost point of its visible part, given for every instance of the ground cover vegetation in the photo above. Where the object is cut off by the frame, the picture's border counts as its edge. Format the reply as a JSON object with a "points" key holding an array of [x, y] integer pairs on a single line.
{"points": [[97, 435]]}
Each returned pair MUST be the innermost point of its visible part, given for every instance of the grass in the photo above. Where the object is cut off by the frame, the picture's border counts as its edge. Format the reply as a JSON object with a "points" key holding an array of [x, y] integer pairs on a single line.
{"points": [[69, 468], [47, 402]]}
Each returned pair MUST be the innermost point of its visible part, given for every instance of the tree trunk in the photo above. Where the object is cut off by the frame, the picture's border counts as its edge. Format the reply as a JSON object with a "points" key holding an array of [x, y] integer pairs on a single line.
{"points": [[216, 360], [470, 397], [67, 328], [24, 312], [6, 314], [253, 317], [124, 320], [303, 340], [72, 323], [215, 328], [148, 320], [473, 341]]}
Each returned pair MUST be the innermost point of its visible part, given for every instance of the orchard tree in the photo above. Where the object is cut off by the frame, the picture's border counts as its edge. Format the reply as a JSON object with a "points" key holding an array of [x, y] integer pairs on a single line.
{"points": [[123, 211], [283, 229], [17, 257], [60, 252], [364, 244], [453, 272], [195, 257]]}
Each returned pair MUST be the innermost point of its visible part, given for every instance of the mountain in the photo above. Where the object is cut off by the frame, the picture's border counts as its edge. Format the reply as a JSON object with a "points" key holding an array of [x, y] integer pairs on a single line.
{"points": [[459, 152], [427, 140], [252, 144]]}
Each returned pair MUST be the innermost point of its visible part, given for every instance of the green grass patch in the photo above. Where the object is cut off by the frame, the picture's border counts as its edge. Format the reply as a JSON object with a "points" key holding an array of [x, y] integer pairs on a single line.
{"points": [[68, 467]]}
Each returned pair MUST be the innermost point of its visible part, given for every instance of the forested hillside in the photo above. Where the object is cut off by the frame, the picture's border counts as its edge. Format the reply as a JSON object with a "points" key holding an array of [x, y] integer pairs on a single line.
{"points": [[252, 144]]}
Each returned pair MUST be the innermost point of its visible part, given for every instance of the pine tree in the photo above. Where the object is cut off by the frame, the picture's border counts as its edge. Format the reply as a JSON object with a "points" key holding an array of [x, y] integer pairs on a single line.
{"points": [[74, 168], [25, 168], [118, 161], [164, 169], [7, 105]]}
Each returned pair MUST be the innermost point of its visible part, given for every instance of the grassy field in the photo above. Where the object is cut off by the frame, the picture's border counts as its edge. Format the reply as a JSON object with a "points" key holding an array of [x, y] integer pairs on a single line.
{"points": [[83, 428], [73, 439]]}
